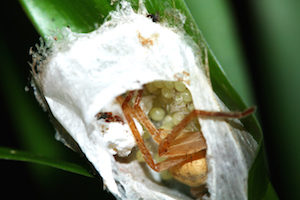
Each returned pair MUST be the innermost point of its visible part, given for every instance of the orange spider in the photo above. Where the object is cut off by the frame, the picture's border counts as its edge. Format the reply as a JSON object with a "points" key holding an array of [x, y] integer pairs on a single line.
{"points": [[184, 152]]}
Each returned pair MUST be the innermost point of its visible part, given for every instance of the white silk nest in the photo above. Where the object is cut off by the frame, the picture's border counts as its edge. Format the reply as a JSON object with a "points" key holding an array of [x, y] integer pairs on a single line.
{"points": [[83, 75]]}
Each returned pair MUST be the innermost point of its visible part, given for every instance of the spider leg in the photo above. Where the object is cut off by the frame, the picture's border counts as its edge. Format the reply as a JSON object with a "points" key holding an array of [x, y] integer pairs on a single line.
{"points": [[144, 120], [167, 141], [128, 113], [139, 140], [170, 162], [138, 98], [140, 115], [188, 143], [180, 160]]}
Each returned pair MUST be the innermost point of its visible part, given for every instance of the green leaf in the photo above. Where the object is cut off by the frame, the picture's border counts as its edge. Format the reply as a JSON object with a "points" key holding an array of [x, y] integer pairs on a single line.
{"points": [[49, 16], [276, 48], [218, 25], [17, 155], [271, 194]]}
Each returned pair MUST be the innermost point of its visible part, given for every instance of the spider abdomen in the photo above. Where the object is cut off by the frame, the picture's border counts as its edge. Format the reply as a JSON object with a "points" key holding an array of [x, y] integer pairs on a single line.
{"points": [[191, 173]]}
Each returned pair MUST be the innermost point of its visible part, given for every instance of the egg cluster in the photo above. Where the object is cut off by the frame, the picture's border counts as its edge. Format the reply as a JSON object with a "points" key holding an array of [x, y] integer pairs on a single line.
{"points": [[172, 101]]}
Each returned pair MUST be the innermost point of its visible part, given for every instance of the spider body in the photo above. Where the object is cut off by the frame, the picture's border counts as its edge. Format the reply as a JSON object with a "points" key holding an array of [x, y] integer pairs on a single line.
{"points": [[191, 173], [184, 152], [155, 17]]}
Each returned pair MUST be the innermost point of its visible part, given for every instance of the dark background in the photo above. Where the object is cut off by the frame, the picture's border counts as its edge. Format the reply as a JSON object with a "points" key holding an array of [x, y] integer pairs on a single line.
{"points": [[270, 33], [270, 45]]}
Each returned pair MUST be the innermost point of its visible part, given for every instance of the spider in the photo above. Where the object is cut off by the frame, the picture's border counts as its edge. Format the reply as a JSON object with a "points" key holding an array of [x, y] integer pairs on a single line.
{"points": [[185, 152], [155, 17]]}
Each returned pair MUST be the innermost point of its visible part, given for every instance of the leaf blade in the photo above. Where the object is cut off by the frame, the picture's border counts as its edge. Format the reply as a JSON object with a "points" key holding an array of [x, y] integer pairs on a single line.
{"points": [[49, 17], [18, 155]]}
